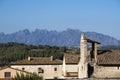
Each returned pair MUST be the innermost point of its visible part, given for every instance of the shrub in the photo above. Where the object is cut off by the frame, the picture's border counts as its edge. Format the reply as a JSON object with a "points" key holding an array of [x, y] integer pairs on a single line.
{"points": [[27, 77]]}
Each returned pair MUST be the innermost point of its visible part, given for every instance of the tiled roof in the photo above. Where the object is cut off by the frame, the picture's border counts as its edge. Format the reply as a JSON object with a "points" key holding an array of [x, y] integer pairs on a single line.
{"points": [[109, 58], [71, 58], [38, 61]]}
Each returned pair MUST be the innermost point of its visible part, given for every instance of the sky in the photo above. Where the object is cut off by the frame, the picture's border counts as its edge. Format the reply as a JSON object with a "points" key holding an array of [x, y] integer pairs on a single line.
{"points": [[102, 16]]}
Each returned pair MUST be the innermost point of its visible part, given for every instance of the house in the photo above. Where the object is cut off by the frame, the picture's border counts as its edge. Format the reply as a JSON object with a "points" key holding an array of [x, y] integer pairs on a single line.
{"points": [[6, 73], [43, 66], [49, 68], [108, 64], [102, 64], [70, 65]]}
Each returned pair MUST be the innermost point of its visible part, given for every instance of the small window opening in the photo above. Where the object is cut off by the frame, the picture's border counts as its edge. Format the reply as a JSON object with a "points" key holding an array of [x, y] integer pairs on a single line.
{"points": [[55, 69], [23, 69], [118, 67], [40, 70], [7, 74]]}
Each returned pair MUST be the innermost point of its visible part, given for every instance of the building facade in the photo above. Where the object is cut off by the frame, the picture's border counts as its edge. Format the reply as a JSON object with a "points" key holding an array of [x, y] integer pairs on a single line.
{"points": [[108, 65], [9, 72], [70, 65], [98, 63], [43, 66]]}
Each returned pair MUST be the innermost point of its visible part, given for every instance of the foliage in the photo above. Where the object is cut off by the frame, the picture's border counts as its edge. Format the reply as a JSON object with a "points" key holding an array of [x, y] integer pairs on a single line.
{"points": [[27, 77], [13, 51], [110, 47]]}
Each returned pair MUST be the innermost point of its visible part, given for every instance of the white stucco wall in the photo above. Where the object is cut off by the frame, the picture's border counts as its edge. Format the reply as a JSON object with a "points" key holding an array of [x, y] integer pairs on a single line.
{"points": [[13, 72], [71, 68], [49, 72]]}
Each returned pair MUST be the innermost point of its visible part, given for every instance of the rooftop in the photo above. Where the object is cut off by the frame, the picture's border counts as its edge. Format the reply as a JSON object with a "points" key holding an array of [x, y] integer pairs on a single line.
{"points": [[109, 58], [38, 61], [71, 58]]}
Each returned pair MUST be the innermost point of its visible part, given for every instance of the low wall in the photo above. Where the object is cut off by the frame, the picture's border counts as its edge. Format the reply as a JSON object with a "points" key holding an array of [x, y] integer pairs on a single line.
{"points": [[106, 72]]}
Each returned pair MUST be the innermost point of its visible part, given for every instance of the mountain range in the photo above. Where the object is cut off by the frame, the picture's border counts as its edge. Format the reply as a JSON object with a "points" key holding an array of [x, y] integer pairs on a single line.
{"points": [[69, 37]]}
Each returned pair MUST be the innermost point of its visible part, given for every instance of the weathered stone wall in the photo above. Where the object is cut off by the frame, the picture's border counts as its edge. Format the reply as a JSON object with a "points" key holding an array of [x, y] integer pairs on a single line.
{"points": [[83, 64], [106, 72]]}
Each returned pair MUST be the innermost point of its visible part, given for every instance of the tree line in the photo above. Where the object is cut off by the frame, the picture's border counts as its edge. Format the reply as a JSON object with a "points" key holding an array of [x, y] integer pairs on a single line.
{"points": [[13, 51]]}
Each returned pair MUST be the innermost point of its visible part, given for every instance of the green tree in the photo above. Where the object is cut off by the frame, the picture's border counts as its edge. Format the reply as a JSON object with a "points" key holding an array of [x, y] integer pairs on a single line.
{"points": [[63, 49]]}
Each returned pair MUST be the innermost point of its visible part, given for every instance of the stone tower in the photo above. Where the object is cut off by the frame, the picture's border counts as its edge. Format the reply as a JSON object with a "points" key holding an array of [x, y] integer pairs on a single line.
{"points": [[83, 64]]}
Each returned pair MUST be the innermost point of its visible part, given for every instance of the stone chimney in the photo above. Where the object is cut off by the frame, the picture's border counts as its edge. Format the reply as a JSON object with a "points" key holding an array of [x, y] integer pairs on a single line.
{"points": [[83, 65], [29, 58], [51, 58]]}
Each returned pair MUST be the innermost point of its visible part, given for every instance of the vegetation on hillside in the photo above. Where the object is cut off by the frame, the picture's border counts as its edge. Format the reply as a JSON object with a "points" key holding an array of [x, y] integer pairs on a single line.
{"points": [[12, 51], [110, 47]]}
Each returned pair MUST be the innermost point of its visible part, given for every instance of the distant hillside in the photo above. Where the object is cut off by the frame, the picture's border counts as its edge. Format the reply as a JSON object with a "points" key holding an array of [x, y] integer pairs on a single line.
{"points": [[68, 37]]}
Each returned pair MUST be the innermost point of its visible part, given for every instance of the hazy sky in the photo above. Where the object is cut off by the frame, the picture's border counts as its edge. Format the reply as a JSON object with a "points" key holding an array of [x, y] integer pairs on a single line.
{"points": [[102, 16]]}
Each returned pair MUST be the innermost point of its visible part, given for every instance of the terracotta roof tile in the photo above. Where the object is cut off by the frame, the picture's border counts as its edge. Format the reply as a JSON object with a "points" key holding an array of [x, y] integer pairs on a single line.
{"points": [[71, 58], [109, 58], [37, 61]]}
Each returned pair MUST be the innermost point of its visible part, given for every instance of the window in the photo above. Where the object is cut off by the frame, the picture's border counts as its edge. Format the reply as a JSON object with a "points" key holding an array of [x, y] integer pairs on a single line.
{"points": [[23, 69], [118, 67], [7, 74], [40, 70], [55, 69]]}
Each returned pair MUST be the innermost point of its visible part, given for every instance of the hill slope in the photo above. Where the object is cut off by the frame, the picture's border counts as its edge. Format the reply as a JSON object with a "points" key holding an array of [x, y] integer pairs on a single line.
{"points": [[68, 37]]}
